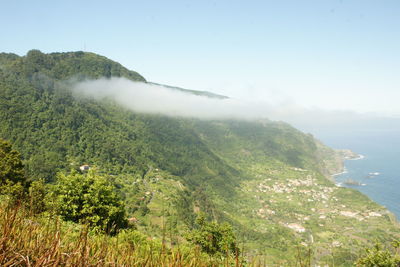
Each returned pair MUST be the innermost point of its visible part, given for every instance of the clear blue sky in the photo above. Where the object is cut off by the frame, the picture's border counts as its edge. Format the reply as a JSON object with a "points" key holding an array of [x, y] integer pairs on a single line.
{"points": [[338, 54]]}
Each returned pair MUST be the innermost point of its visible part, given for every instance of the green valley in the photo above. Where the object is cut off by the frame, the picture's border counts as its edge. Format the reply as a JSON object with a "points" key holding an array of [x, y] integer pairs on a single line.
{"points": [[267, 180]]}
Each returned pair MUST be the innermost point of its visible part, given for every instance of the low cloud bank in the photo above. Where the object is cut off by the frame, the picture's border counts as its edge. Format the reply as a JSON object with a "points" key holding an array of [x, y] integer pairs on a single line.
{"points": [[156, 99]]}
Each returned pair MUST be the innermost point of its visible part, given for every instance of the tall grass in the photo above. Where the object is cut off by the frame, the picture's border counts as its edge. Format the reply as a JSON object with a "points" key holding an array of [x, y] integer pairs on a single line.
{"points": [[46, 240]]}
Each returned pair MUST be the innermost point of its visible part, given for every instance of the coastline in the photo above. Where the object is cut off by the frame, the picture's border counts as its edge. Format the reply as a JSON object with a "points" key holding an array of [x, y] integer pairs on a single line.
{"points": [[335, 162], [345, 154], [357, 158], [339, 173], [349, 183], [354, 156]]}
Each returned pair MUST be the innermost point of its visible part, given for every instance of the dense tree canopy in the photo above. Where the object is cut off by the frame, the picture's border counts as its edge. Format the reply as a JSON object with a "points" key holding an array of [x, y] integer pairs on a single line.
{"points": [[11, 167]]}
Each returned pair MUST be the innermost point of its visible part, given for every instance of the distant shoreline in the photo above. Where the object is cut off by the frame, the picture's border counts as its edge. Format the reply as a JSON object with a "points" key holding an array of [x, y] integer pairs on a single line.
{"points": [[357, 158], [346, 154], [340, 173]]}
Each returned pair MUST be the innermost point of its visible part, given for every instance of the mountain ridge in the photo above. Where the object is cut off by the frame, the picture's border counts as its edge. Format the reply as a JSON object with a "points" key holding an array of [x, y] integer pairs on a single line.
{"points": [[234, 171]]}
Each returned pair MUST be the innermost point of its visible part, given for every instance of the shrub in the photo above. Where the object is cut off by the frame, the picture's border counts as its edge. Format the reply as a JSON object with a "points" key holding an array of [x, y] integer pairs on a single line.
{"points": [[379, 257], [213, 238], [37, 195], [89, 198]]}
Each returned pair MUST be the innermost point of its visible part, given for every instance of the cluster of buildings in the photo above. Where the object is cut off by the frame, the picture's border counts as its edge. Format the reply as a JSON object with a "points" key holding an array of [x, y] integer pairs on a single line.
{"points": [[303, 190]]}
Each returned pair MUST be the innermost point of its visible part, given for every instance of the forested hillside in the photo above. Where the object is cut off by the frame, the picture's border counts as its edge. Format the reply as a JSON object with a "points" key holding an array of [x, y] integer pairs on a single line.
{"points": [[264, 178]]}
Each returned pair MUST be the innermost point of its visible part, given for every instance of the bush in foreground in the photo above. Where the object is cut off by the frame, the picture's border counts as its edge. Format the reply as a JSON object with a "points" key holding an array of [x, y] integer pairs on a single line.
{"points": [[213, 238], [89, 199], [380, 257]]}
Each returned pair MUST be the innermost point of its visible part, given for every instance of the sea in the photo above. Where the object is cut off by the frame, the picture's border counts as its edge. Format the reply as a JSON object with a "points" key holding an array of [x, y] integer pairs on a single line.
{"points": [[377, 172]]}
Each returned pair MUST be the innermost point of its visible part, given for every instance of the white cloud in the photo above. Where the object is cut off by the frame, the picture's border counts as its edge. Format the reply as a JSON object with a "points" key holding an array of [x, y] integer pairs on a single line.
{"points": [[155, 99]]}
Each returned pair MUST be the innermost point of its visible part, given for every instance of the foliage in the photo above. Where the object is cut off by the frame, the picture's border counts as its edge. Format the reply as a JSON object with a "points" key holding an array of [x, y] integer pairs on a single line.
{"points": [[380, 257], [11, 167], [89, 198], [14, 193], [48, 241], [213, 238], [37, 194]]}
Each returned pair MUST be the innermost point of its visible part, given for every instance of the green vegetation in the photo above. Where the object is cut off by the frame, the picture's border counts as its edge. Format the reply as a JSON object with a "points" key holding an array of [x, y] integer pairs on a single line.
{"points": [[261, 185], [46, 240], [193, 92], [380, 257], [213, 238], [89, 199], [11, 167]]}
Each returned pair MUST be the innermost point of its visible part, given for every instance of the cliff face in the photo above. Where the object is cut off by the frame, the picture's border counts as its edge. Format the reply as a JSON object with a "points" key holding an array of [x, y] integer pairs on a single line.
{"points": [[331, 159], [334, 159]]}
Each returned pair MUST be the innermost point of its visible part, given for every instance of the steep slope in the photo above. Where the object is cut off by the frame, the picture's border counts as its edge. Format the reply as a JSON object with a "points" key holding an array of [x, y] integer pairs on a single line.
{"points": [[193, 92], [265, 178]]}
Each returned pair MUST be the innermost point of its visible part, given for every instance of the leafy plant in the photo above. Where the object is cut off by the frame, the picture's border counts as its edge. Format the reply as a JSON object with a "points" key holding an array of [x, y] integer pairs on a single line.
{"points": [[37, 195], [11, 167], [380, 257], [212, 237], [89, 198]]}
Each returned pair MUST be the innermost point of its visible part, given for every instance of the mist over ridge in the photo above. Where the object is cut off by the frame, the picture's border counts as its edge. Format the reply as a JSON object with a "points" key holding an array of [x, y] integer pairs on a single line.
{"points": [[159, 99]]}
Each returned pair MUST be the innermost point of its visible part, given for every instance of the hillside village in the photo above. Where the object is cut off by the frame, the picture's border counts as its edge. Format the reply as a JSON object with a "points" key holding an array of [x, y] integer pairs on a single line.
{"points": [[310, 206]]}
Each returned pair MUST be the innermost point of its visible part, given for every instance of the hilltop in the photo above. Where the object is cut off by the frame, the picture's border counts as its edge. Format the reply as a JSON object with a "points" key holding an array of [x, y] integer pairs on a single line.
{"points": [[265, 178]]}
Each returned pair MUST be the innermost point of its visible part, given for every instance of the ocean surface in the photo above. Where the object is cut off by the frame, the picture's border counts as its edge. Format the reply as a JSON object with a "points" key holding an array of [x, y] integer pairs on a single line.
{"points": [[378, 173]]}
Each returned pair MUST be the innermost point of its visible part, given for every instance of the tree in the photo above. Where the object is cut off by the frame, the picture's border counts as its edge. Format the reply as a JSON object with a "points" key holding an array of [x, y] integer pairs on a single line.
{"points": [[37, 195], [89, 198], [11, 167], [213, 238], [379, 257]]}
